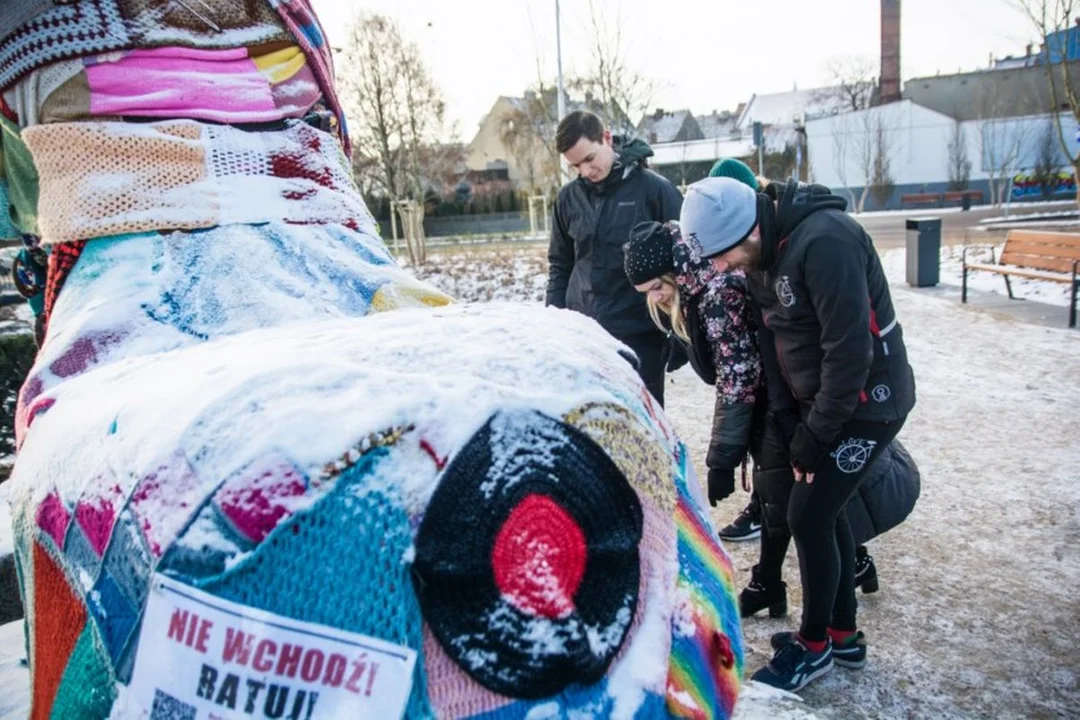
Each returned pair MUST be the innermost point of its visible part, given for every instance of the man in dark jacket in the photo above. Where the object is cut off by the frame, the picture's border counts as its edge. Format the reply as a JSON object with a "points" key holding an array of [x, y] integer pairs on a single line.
{"points": [[831, 338], [591, 222]]}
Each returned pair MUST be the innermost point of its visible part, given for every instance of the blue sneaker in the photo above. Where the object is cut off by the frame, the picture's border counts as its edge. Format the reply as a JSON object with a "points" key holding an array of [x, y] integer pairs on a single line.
{"points": [[794, 666], [851, 654]]}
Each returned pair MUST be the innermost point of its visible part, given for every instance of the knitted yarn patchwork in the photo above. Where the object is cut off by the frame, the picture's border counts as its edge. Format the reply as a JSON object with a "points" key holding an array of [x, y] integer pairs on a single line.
{"points": [[178, 514], [518, 575], [183, 176], [159, 290], [88, 27], [239, 388], [707, 653]]}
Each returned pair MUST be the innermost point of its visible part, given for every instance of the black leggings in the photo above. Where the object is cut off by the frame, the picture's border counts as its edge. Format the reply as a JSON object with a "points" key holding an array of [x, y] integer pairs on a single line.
{"points": [[772, 487], [820, 528]]}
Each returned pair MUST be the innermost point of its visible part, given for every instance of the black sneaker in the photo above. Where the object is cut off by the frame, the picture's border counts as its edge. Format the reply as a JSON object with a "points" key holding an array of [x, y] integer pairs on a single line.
{"points": [[745, 527], [759, 595], [850, 654], [794, 666], [865, 572]]}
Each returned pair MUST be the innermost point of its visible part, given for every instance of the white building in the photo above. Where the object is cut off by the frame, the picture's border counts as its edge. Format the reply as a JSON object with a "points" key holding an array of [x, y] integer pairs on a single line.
{"points": [[1003, 152]]}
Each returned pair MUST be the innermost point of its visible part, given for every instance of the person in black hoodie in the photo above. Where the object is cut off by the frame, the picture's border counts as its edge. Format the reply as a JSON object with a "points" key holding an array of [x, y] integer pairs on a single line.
{"points": [[839, 381], [591, 222]]}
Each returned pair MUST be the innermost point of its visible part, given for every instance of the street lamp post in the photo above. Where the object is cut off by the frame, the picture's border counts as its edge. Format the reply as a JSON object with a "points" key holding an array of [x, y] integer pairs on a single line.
{"points": [[561, 99]]}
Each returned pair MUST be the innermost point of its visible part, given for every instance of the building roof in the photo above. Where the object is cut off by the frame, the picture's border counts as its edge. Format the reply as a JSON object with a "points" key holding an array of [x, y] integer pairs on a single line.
{"points": [[717, 125], [987, 94], [661, 126], [785, 108], [699, 150]]}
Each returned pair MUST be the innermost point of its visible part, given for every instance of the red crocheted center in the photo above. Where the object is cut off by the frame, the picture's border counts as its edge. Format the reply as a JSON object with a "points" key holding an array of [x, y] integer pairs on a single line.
{"points": [[539, 557]]}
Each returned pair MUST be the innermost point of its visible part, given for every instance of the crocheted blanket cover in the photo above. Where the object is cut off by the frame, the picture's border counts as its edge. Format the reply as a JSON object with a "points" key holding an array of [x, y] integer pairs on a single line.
{"points": [[263, 407]]}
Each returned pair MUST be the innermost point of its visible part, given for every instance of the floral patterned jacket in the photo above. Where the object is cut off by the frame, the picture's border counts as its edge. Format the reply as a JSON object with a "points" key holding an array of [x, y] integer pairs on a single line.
{"points": [[718, 303]]}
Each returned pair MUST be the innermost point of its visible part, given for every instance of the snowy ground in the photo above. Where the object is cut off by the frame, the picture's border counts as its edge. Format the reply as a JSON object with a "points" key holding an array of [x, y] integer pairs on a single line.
{"points": [[979, 609]]}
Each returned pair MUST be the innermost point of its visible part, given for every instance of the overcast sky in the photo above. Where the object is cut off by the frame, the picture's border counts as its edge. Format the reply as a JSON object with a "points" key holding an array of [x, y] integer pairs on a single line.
{"points": [[702, 54]]}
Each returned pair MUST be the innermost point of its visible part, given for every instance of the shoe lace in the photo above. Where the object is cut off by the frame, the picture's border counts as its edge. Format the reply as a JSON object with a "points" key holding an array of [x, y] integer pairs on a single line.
{"points": [[788, 658]]}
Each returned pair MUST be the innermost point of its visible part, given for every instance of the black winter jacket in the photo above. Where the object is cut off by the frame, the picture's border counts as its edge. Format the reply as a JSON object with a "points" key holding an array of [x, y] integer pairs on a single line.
{"points": [[590, 224], [830, 330]]}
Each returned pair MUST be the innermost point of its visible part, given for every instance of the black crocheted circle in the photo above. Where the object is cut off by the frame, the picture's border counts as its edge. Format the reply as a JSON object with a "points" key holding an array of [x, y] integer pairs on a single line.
{"points": [[528, 460]]}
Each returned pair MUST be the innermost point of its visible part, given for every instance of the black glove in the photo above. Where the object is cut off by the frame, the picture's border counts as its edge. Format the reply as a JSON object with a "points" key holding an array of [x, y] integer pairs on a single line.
{"points": [[721, 484], [806, 450], [783, 423], [674, 354]]}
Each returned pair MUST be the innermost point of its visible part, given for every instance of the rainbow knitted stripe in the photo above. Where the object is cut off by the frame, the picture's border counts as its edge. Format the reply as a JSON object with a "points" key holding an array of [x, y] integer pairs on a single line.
{"points": [[706, 664]]}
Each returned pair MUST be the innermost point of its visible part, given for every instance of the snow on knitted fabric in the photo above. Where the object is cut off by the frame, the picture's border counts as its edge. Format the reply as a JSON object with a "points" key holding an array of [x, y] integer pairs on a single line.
{"points": [[148, 293], [233, 404], [101, 179]]}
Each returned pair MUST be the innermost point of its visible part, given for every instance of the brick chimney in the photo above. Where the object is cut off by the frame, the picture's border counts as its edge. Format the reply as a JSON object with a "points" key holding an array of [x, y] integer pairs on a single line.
{"points": [[889, 85]]}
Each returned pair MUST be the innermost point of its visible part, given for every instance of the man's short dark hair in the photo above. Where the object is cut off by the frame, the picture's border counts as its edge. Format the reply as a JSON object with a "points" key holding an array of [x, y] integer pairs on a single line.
{"points": [[576, 125]]}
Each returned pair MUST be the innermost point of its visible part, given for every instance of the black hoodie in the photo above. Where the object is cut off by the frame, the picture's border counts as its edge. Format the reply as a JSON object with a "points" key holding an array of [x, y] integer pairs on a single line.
{"points": [[826, 303], [590, 224]]}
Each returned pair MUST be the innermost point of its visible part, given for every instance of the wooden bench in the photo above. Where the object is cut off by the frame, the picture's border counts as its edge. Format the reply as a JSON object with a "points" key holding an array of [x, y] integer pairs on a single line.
{"points": [[1039, 255], [920, 198], [959, 195]]}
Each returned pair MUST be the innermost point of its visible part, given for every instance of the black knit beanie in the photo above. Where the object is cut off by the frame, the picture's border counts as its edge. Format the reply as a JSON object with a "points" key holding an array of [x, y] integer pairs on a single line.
{"points": [[649, 254]]}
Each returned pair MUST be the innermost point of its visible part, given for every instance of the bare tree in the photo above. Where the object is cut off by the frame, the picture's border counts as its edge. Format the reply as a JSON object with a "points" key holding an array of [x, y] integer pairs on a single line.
{"points": [[1003, 142], [1050, 17], [842, 150], [528, 132], [372, 92], [1047, 160], [1003, 139], [852, 84], [958, 164], [882, 184], [396, 111], [621, 91], [863, 141], [424, 112]]}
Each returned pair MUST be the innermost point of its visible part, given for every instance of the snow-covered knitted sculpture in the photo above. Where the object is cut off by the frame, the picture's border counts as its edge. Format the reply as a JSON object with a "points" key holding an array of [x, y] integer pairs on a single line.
{"points": [[265, 472]]}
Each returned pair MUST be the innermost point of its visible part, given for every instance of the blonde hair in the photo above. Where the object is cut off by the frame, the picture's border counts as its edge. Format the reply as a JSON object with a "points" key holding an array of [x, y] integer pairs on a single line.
{"points": [[673, 309]]}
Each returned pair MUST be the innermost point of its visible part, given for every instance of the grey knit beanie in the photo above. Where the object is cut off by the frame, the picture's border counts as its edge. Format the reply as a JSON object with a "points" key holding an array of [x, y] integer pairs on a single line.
{"points": [[719, 213]]}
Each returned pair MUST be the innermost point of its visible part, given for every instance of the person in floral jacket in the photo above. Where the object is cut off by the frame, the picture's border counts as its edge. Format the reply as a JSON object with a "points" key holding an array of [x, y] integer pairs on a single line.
{"points": [[709, 312]]}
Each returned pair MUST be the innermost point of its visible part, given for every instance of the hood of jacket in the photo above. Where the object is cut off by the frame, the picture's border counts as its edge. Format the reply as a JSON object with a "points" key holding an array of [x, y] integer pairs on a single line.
{"points": [[795, 201]]}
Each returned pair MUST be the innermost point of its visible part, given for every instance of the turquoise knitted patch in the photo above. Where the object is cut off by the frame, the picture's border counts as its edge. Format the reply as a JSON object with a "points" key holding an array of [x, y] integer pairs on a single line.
{"points": [[350, 546], [87, 689]]}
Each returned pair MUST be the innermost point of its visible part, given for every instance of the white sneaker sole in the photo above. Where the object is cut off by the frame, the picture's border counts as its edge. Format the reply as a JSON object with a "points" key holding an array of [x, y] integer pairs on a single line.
{"points": [[849, 664]]}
